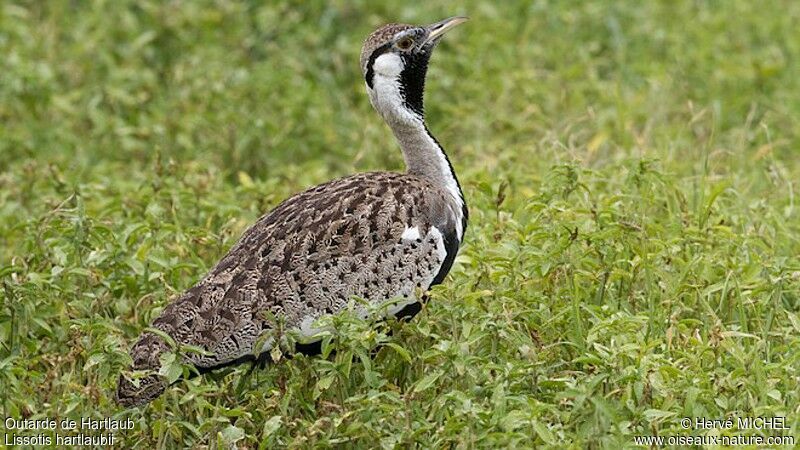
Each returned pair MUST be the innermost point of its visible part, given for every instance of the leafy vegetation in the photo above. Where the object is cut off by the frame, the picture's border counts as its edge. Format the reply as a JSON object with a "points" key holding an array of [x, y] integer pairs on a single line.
{"points": [[632, 255]]}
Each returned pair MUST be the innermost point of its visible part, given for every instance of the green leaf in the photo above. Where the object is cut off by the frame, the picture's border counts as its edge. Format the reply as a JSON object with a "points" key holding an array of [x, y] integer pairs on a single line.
{"points": [[94, 359], [271, 426], [325, 382], [544, 433], [657, 415], [427, 381], [231, 434], [400, 351]]}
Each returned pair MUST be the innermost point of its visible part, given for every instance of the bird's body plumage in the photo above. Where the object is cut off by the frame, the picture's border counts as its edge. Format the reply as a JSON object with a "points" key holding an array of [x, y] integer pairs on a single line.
{"points": [[378, 236]]}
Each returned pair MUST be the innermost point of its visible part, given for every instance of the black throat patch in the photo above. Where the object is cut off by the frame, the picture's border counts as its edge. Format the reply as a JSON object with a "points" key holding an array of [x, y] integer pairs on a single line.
{"points": [[412, 80]]}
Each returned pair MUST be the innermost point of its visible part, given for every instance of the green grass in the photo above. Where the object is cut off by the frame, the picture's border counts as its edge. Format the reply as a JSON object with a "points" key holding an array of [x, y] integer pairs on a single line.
{"points": [[632, 255]]}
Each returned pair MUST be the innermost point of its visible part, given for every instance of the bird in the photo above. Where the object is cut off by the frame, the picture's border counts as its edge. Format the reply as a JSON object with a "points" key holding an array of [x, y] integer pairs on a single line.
{"points": [[383, 237]]}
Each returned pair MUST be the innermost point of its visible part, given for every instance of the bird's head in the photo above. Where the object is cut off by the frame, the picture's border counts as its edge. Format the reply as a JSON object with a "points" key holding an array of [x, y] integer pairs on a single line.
{"points": [[394, 61]]}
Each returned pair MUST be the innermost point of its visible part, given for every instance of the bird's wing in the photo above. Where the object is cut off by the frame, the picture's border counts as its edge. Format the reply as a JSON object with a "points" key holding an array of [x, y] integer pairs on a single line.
{"points": [[376, 236]]}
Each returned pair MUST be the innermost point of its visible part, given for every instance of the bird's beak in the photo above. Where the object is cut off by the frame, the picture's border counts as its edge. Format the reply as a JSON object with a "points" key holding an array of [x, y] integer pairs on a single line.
{"points": [[438, 29]]}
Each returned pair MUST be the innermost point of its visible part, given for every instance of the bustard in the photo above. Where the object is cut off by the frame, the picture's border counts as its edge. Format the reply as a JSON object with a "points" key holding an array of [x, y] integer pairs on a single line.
{"points": [[379, 236]]}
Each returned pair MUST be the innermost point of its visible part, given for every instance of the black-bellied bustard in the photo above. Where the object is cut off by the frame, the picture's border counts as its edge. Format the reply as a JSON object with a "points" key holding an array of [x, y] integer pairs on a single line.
{"points": [[379, 236]]}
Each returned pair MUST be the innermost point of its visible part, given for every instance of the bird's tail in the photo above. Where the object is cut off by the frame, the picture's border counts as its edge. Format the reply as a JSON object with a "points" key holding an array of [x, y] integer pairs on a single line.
{"points": [[146, 355]]}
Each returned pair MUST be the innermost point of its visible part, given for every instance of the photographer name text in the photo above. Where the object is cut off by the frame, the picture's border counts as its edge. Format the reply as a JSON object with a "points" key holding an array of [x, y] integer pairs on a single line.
{"points": [[735, 423]]}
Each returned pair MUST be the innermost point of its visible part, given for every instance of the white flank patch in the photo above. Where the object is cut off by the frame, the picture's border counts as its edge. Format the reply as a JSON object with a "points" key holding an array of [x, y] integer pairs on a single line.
{"points": [[410, 234]]}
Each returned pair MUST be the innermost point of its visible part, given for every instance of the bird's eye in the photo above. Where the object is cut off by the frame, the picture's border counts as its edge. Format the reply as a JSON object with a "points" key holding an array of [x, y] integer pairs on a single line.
{"points": [[405, 43]]}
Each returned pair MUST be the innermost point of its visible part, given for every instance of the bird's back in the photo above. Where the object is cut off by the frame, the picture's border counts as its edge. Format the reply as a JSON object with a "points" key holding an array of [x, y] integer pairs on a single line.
{"points": [[377, 236]]}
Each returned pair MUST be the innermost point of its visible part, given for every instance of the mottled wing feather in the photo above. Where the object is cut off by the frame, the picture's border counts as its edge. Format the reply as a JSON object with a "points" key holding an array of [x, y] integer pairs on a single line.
{"points": [[376, 236]]}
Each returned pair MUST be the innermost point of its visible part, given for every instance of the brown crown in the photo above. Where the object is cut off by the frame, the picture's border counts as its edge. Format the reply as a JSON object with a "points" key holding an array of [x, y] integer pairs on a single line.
{"points": [[379, 37]]}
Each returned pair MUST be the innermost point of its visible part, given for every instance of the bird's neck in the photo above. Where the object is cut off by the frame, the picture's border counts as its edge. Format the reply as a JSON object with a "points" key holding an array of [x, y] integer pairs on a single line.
{"points": [[396, 88], [396, 91], [426, 158], [423, 154]]}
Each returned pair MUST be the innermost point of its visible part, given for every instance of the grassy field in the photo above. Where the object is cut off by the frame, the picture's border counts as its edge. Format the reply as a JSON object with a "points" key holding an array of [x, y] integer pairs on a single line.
{"points": [[632, 173]]}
